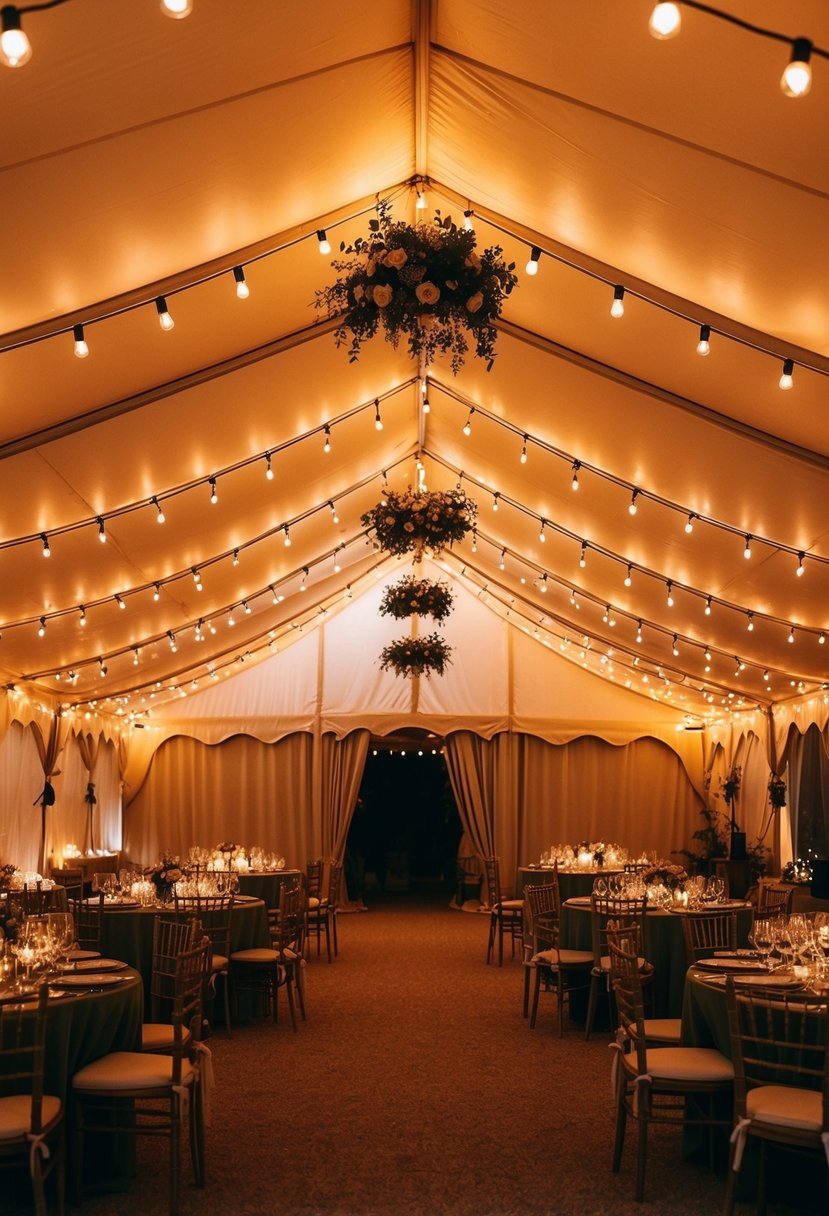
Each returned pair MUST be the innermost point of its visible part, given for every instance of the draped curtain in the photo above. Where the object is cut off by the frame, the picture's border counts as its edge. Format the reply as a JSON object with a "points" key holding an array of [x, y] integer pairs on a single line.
{"points": [[21, 778], [809, 786], [342, 762], [242, 790], [485, 779], [49, 747]]}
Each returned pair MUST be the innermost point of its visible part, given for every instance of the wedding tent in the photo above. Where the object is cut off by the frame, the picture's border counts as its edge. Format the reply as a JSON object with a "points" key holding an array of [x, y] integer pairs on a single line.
{"points": [[189, 601]]}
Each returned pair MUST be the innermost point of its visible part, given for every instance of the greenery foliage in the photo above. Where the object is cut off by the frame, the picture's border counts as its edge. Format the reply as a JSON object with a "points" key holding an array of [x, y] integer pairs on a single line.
{"points": [[402, 523], [417, 597], [424, 282], [416, 656]]}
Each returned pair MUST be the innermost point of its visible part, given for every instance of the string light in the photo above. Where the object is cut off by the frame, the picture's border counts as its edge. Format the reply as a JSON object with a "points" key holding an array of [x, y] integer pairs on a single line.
{"points": [[467, 219], [474, 540], [583, 554], [135, 656], [543, 584], [750, 624], [495, 497], [801, 569], [160, 517], [236, 557], [790, 638], [378, 421], [15, 48], [242, 289], [81, 345], [42, 627], [633, 508], [575, 482], [335, 519], [326, 431], [214, 493], [337, 566], [639, 632], [47, 551], [675, 646], [177, 8], [172, 640], [689, 523], [747, 550], [467, 426], [156, 592], [502, 561], [822, 639], [617, 308], [787, 375], [707, 605], [535, 258], [197, 579], [425, 406], [102, 532], [524, 450], [542, 535], [665, 21], [246, 608], [287, 541], [268, 468], [120, 602], [164, 319], [304, 577], [704, 343], [102, 667], [670, 588], [324, 243], [796, 80], [628, 578]]}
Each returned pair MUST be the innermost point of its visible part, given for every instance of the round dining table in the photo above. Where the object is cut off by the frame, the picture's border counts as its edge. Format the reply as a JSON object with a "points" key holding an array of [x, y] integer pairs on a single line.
{"points": [[128, 931], [267, 884], [664, 947], [571, 883]]}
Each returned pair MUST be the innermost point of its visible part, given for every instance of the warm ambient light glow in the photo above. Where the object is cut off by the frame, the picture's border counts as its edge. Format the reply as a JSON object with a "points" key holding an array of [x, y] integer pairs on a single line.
{"points": [[177, 8], [535, 256], [81, 347], [617, 308]]}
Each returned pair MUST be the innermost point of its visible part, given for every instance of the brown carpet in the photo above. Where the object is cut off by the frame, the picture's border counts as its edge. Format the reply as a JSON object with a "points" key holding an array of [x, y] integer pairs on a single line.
{"points": [[415, 1086]]}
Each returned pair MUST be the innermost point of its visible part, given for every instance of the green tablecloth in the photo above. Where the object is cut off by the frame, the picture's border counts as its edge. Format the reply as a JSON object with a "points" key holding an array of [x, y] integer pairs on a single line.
{"points": [[266, 885], [128, 933], [663, 946], [704, 1013]]}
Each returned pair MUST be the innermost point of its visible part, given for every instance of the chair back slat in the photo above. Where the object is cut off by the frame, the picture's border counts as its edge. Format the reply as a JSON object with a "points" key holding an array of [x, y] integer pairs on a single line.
{"points": [[88, 915], [705, 932], [626, 914]]}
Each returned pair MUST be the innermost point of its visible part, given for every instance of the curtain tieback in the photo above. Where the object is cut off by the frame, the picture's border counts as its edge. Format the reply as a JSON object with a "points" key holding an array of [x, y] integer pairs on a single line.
{"points": [[738, 1139], [204, 1071], [37, 1145]]}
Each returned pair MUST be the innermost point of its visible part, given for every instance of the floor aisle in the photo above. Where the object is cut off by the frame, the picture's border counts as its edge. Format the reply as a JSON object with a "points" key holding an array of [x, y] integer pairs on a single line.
{"points": [[416, 1087]]}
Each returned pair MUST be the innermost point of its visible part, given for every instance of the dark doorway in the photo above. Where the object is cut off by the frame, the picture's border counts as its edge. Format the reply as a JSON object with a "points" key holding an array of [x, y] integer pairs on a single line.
{"points": [[406, 829]]}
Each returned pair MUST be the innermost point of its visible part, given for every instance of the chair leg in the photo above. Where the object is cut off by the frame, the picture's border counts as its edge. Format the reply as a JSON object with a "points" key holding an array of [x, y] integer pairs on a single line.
{"points": [[175, 1152], [621, 1123], [731, 1185], [491, 941], [500, 940], [289, 992], [761, 1180], [197, 1133], [525, 1008], [226, 983], [591, 1004], [334, 928], [641, 1156]]}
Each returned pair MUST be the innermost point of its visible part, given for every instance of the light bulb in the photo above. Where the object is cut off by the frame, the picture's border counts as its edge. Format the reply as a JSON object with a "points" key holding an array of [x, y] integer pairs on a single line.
{"points": [[790, 638], [422, 201], [326, 447], [378, 421], [335, 519], [704, 344], [242, 289], [575, 482], [689, 523], [102, 534], [797, 75], [535, 258], [42, 627], [47, 551], [467, 219], [800, 567], [633, 508], [495, 498], [467, 427], [427, 409], [164, 319], [502, 561], [747, 550], [177, 8], [583, 555], [670, 600], [81, 347], [542, 536], [287, 541], [628, 579], [214, 494], [787, 374], [524, 450], [665, 21], [156, 592], [15, 48], [268, 469], [324, 243], [750, 625], [617, 308], [160, 517]]}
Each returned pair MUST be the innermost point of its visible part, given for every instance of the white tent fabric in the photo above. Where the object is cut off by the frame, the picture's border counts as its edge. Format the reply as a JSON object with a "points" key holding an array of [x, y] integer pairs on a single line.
{"points": [[145, 158]]}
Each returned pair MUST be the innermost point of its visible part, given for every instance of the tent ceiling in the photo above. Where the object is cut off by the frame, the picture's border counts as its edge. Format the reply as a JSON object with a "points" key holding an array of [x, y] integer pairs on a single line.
{"points": [[142, 156]]}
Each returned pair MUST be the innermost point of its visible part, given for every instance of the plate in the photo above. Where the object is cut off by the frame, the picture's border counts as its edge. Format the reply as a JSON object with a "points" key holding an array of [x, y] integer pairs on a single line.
{"points": [[112, 905], [736, 954], [88, 981], [77, 955], [246, 899], [770, 981], [95, 964], [731, 964], [578, 901]]}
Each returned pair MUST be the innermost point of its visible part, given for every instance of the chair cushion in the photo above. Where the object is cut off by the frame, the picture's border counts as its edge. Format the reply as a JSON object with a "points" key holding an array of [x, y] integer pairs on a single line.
{"points": [[786, 1106], [642, 963], [219, 962], [259, 954], [695, 1064], [564, 958], [15, 1114], [511, 905], [663, 1028], [158, 1035], [128, 1070], [313, 903]]}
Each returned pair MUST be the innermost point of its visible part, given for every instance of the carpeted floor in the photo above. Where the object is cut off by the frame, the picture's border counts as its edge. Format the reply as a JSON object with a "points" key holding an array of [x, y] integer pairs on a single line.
{"points": [[415, 1087]]}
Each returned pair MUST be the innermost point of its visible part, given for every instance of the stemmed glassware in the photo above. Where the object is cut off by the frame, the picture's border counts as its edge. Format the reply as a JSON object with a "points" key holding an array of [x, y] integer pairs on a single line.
{"points": [[762, 939]]}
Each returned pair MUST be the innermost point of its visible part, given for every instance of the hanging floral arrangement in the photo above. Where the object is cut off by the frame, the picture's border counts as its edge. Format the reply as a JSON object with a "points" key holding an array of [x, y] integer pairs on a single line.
{"points": [[410, 657], [777, 791], [417, 597], [418, 519], [425, 282]]}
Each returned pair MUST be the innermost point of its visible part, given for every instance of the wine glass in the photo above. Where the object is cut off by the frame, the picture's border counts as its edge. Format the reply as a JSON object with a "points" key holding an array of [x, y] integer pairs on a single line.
{"points": [[63, 931], [761, 937]]}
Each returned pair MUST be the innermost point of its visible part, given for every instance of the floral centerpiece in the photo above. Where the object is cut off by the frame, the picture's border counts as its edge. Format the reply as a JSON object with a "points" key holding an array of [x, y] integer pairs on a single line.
{"points": [[403, 523], [417, 597], [164, 873], [426, 282], [6, 870], [666, 874], [416, 656]]}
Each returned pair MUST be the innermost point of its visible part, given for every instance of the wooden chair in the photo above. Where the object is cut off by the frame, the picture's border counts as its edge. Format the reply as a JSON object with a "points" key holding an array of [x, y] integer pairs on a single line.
{"points": [[313, 893], [89, 922], [564, 970], [322, 914], [143, 1093], [72, 881], [659, 1032], [215, 913], [33, 899], [31, 1122], [707, 931], [627, 914], [652, 1084], [776, 899], [263, 970], [172, 936], [780, 1049], [506, 916]]}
